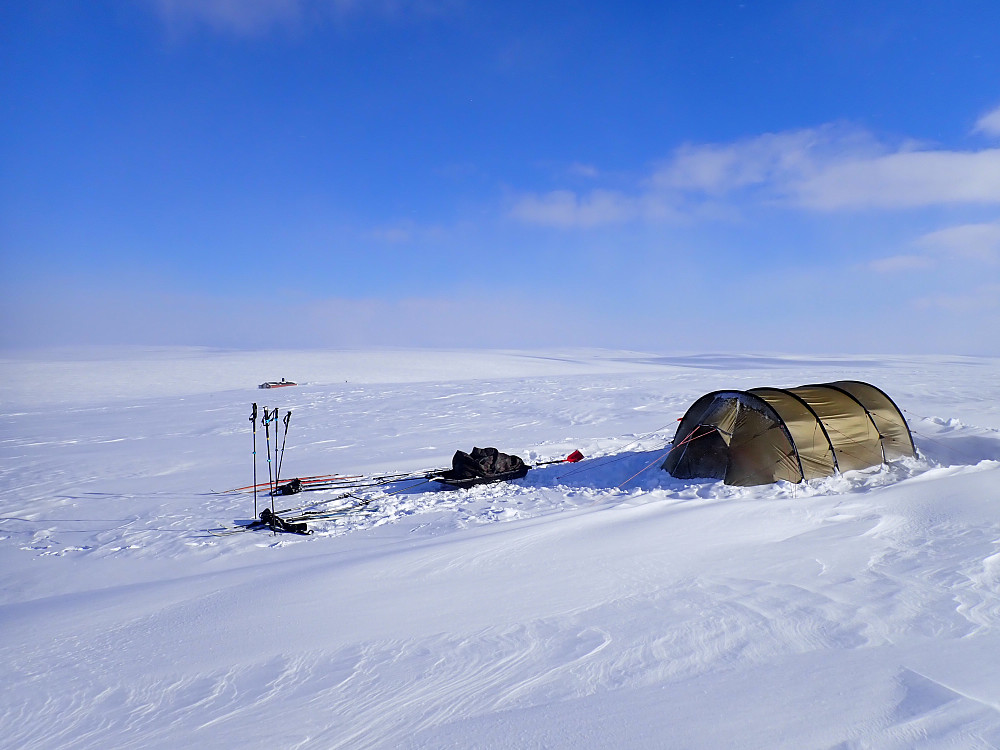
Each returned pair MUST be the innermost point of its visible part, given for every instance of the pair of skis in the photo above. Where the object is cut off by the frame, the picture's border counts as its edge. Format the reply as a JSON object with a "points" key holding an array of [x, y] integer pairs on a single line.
{"points": [[280, 521], [314, 511], [291, 524], [309, 481], [358, 481]]}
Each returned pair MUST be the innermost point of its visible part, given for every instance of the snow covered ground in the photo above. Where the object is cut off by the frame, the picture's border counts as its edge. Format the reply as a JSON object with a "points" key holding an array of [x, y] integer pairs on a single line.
{"points": [[558, 611]]}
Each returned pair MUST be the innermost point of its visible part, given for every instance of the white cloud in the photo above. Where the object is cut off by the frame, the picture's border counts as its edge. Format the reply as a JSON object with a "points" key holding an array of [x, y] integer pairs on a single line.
{"points": [[588, 171], [902, 180], [970, 245], [977, 242], [771, 159], [982, 299], [898, 263], [989, 124], [392, 235], [833, 168], [826, 169], [407, 231], [564, 208]]}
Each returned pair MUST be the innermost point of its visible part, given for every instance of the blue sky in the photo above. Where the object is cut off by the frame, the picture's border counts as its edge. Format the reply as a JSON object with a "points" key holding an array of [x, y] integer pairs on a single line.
{"points": [[698, 176]]}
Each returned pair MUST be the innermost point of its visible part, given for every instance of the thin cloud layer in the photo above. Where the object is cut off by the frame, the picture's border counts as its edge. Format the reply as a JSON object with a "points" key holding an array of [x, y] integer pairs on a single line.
{"points": [[982, 300], [564, 208], [233, 16], [80, 315], [252, 17], [901, 264]]}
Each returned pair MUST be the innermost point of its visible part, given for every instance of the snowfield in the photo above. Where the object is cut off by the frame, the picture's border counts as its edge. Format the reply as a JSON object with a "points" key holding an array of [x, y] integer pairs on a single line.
{"points": [[585, 606]]}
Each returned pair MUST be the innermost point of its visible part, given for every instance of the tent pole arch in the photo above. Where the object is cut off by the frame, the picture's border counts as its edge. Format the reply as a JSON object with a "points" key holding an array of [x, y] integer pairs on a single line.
{"points": [[829, 442], [704, 414], [871, 418], [855, 439], [899, 412]]}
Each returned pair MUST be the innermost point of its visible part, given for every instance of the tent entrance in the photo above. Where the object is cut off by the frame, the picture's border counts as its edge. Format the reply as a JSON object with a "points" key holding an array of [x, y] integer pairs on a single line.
{"points": [[704, 455]]}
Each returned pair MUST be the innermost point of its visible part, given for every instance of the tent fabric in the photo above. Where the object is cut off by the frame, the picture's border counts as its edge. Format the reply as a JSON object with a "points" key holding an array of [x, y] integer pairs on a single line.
{"points": [[897, 442], [809, 436], [766, 435]]}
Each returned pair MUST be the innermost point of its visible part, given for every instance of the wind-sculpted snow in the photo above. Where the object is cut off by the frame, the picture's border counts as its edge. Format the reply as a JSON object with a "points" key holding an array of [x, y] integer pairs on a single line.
{"points": [[589, 605]]}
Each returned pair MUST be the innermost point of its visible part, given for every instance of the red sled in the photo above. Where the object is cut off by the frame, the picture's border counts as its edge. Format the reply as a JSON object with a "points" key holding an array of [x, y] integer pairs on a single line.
{"points": [[277, 384]]}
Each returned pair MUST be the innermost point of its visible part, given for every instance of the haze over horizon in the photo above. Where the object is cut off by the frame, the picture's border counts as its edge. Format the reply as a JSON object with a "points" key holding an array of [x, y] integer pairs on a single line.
{"points": [[727, 176]]}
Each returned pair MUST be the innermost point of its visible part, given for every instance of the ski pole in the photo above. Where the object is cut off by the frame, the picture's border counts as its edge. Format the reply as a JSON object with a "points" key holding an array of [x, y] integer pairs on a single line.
{"points": [[286, 420], [267, 434], [253, 426]]}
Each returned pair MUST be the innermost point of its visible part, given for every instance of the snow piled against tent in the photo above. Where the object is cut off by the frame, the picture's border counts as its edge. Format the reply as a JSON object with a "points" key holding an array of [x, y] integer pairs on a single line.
{"points": [[587, 605]]}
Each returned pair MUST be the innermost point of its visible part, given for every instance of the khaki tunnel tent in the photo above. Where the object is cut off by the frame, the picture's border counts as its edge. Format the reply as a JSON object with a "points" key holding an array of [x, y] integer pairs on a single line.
{"points": [[765, 435]]}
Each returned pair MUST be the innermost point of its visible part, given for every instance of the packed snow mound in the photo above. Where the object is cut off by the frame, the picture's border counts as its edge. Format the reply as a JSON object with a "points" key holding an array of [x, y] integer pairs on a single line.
{"points": [[584, 605]]}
